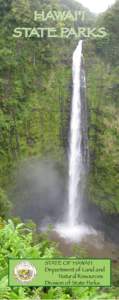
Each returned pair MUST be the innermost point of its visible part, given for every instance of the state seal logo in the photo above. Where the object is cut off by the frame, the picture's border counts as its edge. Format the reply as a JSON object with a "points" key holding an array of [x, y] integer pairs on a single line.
{"points": [[24, 272]]}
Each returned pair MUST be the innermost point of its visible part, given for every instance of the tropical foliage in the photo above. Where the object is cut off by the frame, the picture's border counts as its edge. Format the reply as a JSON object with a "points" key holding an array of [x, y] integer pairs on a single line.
{"points": [[35, 97], [22, 240]]}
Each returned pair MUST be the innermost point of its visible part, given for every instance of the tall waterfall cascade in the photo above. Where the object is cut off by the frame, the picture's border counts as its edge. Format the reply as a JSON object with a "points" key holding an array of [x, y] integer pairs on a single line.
{"points": [[73, 227], [75, 155]]}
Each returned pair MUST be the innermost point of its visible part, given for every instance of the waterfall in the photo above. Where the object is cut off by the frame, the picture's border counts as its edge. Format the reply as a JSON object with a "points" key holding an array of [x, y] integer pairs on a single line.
{"points": [[73, 227], [75, 156]]}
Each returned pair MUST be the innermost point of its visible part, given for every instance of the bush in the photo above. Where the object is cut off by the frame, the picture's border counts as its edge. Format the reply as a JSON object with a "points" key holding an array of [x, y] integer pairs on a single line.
{"points": [[5, 204], [18, 241]]}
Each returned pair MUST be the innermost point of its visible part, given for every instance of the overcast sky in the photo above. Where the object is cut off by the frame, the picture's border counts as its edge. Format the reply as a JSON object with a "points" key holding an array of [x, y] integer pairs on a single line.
{"points": [[97, 6]]}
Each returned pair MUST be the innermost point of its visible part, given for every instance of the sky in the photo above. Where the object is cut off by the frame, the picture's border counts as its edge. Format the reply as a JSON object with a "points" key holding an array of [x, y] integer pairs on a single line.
{"points": [[97, 6]]}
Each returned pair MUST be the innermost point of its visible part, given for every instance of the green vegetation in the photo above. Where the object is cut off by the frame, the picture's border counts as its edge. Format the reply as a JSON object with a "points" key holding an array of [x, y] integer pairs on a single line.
{"points": [[35, 94], [102, 59], [35, 77], [22, 240]]}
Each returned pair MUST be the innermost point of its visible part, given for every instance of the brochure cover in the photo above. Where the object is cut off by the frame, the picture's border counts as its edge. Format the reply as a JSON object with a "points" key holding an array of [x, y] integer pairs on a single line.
{"points": [[59, 149]]}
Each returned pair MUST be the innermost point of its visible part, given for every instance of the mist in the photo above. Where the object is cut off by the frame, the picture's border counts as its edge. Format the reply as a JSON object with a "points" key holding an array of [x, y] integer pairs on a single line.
{"points": [[40, 191]]}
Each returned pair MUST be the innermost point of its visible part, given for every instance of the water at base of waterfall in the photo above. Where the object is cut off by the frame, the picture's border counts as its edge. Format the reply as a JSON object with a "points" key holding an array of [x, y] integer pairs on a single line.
{"points": [[74, 233]]}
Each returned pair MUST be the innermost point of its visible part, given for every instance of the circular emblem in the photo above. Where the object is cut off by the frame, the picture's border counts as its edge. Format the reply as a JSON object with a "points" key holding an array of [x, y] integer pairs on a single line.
{"points": [[24, 272]]}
